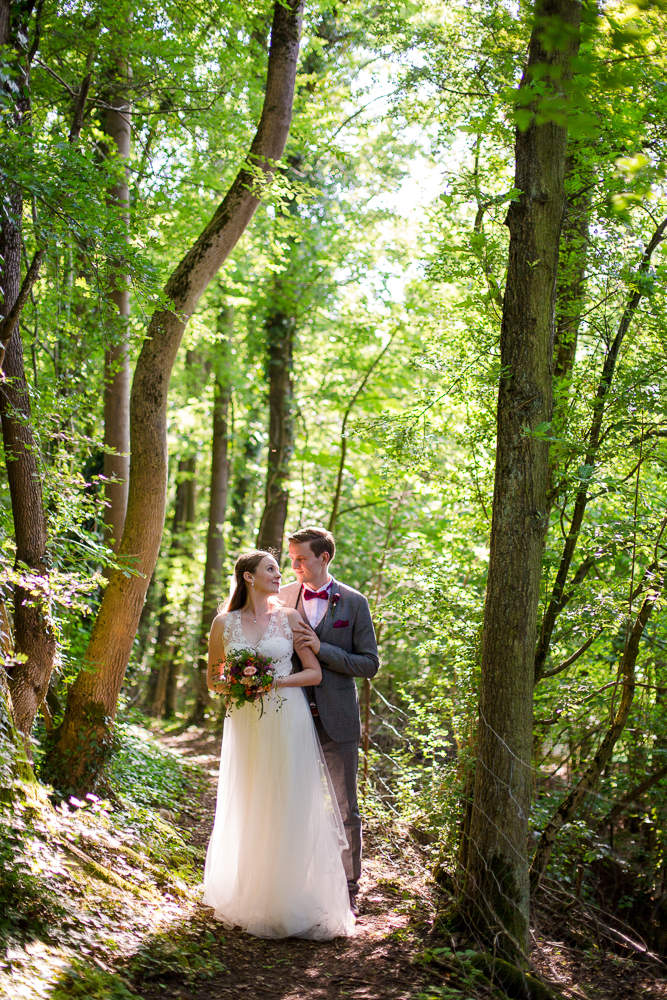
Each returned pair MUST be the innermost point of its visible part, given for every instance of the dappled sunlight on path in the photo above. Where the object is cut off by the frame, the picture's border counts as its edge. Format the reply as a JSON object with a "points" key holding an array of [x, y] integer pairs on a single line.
{"points": [[375, 963]]}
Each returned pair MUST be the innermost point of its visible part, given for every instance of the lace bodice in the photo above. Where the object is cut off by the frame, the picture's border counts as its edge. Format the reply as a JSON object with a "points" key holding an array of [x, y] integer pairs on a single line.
{"points": [[276, 642]]}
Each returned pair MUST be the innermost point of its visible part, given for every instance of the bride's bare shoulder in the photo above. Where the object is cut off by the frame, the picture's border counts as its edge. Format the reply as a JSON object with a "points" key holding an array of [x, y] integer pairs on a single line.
{"points": [[293, 616], [219, 621]]}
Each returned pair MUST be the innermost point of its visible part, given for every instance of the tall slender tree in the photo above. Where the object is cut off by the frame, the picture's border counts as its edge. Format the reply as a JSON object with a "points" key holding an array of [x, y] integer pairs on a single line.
{"points": [[280, 332], [217, 508], [163, 658], [84, 737], [495, 889], [117, 125]]}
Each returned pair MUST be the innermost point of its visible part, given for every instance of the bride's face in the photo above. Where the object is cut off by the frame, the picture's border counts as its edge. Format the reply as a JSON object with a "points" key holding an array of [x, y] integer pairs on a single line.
{"points": [[267, 576]]}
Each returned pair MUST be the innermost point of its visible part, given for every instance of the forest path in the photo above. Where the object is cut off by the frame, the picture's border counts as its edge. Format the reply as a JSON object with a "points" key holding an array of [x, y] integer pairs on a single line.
{"points": [[376, 963]]}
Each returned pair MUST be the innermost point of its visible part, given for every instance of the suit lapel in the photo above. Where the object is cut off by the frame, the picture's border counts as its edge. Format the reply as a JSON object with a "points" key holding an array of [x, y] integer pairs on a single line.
{"points": [[325, 623], [299, 605]]}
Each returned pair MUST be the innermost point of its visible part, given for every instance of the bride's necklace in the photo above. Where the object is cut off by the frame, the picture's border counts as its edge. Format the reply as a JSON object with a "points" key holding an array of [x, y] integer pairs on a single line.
{"points": [[250, 613]]}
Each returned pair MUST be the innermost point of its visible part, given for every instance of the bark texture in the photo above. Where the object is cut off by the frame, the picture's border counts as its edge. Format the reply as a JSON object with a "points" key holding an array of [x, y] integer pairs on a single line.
{"points": [[85, 733], [495, 892], [571, 269], [33, 632], [215, 540], [280, 329], [117, 358]]}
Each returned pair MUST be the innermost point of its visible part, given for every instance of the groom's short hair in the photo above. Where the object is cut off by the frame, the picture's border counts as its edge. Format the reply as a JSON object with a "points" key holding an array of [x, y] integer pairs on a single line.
{"points": [[320, 540]]}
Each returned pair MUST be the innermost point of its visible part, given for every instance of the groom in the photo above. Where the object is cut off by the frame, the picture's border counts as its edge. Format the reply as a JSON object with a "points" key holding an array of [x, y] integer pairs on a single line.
{"points": [[337, 627]]}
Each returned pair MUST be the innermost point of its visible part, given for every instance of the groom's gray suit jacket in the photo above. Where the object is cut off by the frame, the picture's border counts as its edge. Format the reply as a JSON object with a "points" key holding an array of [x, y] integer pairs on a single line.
{"points": [[348, 650]]}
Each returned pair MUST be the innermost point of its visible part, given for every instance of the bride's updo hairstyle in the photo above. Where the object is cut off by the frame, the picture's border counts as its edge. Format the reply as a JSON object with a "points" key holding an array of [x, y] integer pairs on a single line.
{"points": [[246, 563]]}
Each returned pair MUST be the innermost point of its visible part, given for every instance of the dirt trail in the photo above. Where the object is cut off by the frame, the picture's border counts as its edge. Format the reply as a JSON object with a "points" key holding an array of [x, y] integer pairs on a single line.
{"points": [[376, 963]]}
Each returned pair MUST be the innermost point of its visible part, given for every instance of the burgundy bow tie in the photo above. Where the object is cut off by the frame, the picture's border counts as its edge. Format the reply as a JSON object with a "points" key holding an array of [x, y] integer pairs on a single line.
{"points": [[308, 595]]}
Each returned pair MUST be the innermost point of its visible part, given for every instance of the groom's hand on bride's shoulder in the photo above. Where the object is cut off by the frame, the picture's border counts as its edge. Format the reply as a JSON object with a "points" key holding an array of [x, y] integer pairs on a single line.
{"points": [[305, 638]]}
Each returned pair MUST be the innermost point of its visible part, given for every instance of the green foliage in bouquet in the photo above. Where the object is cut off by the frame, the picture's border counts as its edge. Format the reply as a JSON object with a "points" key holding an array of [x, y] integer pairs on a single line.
{"points": [[246, 676]]}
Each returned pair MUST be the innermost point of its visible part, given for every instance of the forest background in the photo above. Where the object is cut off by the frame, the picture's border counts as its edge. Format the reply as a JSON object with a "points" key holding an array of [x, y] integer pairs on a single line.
{"points": [[341, 367]]}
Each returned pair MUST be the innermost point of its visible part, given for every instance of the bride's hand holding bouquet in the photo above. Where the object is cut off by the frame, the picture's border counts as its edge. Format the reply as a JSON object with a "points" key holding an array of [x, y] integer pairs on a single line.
{"points": [[244, 676]]}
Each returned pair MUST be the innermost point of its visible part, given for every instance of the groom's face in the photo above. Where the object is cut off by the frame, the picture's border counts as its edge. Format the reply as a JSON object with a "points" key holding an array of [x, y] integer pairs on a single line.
{"points": [[308, 568]]}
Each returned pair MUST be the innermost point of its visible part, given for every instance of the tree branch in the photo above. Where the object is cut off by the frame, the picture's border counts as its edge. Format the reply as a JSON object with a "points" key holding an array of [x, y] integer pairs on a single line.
{"points": [[79, 109], [482, 257], [631, 797], [568, 807], [343, 439], [556, 603], [572, 659], [10, 322]]}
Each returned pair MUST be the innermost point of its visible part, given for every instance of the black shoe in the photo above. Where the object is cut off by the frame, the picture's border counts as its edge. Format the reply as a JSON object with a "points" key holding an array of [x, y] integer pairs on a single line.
{"points": [[354, 909]]}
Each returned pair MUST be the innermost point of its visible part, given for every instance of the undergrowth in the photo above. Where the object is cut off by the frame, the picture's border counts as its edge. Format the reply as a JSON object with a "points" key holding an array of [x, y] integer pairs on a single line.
{"points": [[85, 883]]}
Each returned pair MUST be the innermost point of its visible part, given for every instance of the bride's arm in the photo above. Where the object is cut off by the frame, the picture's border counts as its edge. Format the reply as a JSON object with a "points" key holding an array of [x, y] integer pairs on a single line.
{"points": [[215, 652], [312, 671]]}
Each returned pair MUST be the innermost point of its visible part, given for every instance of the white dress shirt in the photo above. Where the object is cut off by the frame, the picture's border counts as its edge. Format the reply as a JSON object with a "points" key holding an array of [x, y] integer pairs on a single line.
{"points": [[316, 607]]}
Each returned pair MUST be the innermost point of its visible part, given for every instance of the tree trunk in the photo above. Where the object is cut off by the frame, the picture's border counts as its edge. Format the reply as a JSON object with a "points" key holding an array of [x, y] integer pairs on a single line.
{"points": [[280, 329], [117, 357], [14, 763], [164, 651], [33, 631], [571, 269], [215, 540], [144, 627], [171, 685], [85, 734], [243, 480], [495, 894]]}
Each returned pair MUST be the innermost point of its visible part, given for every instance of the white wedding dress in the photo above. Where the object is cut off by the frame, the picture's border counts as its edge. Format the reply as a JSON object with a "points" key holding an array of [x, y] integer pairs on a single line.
{"points": [[273, 865]]}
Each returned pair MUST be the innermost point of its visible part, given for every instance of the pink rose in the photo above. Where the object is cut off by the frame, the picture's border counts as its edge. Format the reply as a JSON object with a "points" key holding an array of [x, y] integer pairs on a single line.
{"points": [[249, 671]]}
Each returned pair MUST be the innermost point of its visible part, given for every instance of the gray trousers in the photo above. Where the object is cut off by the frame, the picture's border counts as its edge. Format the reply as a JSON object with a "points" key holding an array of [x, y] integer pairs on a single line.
{"points": [[342, 759]]}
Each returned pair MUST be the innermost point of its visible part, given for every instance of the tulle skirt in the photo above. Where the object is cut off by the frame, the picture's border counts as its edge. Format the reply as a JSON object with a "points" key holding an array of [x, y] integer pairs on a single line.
{"points": [[273, 865]]}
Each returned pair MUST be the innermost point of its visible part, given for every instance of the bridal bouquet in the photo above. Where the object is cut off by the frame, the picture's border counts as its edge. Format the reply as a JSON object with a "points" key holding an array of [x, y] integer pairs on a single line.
{"points": [[247, 676]]}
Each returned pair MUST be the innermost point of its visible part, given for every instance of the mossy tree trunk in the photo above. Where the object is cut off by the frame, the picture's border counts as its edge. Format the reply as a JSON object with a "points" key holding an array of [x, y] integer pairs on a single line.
{"points": [[79, 750], [494, 899]]}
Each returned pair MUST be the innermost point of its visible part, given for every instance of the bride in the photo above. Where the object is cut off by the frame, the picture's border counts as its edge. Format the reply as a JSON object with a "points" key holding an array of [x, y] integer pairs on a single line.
{"points": [[273, 865]]}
